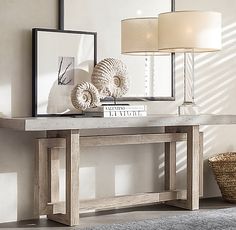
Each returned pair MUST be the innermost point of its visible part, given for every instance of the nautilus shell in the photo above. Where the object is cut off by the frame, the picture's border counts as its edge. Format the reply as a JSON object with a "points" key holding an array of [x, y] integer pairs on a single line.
{"points": [[110, 78], [85, 95]]}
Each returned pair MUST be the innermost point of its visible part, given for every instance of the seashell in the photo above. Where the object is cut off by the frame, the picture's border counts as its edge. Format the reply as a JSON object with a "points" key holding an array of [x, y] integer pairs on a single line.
{"points": [[110, 78], [85, 95]]}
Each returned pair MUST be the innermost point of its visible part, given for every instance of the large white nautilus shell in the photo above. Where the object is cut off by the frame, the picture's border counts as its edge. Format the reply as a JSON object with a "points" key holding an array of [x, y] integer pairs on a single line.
{"points": [[110, 78], [85, 95]]}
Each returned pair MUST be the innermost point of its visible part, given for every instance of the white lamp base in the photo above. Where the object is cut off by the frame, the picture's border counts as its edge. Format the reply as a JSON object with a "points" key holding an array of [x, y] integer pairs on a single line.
{"points": [[188, 108]]}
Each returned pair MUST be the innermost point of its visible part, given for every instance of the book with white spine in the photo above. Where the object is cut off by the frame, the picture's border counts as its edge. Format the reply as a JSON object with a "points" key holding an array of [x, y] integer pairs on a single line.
{"points": [[108, 108], [123, 113]]}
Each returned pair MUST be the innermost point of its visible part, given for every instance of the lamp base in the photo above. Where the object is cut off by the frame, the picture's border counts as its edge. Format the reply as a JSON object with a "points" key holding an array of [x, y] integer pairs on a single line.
{"points": [[188, 108]]}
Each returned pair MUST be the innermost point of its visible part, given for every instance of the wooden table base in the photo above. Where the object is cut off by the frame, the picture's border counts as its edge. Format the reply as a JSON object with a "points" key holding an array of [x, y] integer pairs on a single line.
{"points": [[194, 166], [47, 172]]}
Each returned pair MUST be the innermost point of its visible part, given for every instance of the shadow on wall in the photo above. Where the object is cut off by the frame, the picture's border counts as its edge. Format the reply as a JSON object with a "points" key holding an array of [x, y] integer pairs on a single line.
{"points": [[215, 90], [215, 93]]}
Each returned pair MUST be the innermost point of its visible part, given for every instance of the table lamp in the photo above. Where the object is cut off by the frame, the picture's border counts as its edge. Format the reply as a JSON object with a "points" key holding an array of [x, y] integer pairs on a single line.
{"points": [[189, 32], [139, 36]]}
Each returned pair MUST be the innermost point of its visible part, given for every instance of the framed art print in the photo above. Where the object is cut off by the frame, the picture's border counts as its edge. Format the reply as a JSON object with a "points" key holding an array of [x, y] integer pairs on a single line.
{"points": [[61, 60]]}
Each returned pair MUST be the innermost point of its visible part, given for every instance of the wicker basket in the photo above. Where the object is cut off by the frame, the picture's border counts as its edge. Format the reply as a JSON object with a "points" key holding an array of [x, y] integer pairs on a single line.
{"points": [[224, 169]]}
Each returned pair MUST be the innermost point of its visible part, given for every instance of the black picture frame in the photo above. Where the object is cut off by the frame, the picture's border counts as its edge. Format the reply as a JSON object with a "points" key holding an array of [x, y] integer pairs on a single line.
{"points": [[36, 32], [61, 7], [61, 15]]}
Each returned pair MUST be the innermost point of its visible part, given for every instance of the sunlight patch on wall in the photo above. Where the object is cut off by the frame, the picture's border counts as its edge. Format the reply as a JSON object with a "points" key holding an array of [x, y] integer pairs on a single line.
{"points": [[87, 183], [124, 179], [8, 198], [62, 185], [5, 103]]}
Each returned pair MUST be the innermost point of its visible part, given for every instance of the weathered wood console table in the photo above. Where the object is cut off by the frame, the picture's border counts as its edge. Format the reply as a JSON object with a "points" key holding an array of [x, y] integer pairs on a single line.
{"points": [[66, 133]]}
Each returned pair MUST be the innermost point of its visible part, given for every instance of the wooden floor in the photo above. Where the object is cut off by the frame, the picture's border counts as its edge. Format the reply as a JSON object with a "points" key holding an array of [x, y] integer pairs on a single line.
{"points": [[118, 216]]}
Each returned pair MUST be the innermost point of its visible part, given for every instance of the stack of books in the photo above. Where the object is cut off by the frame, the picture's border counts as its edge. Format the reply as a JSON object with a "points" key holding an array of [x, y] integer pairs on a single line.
{"points": [[117, 111]]}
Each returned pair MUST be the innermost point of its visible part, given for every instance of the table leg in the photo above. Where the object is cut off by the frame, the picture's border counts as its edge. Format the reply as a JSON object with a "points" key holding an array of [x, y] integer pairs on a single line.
{"points": [[201, 159], [193, 164], [193, 167], [71, 217], [170, 162], [46, 191]]}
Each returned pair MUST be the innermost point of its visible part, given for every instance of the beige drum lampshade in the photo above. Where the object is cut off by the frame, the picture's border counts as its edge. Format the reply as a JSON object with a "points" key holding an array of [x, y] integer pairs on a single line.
{"points": [[139, 36], [189, 31]]}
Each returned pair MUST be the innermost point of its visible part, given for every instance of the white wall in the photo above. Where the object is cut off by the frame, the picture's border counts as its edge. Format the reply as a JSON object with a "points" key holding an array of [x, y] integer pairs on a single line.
{"points": [[17, 18], [105, 171]]}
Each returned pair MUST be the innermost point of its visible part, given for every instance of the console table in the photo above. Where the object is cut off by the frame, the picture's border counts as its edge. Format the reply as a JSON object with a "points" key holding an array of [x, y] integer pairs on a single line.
{"points": [[67, 133]]}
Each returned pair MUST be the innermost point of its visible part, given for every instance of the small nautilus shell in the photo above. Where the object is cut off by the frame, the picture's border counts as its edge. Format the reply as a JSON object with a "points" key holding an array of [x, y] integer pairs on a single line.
{"points": [[110, 78], [85, 95]]}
